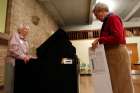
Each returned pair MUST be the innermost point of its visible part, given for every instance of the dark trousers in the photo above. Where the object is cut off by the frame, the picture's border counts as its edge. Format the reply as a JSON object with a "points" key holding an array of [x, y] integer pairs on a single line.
{"points": [[25, 80]]}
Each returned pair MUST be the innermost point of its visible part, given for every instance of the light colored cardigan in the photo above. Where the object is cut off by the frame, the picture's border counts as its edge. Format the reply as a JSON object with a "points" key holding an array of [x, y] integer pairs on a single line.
{"points": [[18, 48]]}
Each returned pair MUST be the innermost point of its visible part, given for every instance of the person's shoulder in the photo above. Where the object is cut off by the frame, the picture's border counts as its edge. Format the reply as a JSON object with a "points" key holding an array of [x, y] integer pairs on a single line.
{"points": [[14, 35], [114, 16]]}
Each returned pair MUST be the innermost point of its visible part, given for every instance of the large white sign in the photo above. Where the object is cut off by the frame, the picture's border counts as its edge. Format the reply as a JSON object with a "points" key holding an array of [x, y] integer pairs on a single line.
{"points": [[101, 73]]}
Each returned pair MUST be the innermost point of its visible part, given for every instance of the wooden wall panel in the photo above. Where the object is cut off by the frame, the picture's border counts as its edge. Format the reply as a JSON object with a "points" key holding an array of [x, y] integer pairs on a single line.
{"points": [[133, 51]]}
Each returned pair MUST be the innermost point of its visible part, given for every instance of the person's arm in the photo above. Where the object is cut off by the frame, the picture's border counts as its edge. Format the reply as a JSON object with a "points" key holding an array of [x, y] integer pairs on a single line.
{"points": [[17, 53], [95, 43], [15, 50], [116, 29]]}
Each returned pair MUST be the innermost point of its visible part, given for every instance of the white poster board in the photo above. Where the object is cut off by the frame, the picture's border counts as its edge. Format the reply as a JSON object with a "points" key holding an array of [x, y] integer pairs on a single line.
{"points": [[101, 73]]}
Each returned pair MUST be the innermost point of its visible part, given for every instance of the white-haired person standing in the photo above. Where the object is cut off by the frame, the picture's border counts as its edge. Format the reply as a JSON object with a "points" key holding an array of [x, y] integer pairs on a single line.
{"points": [[112, 35], [18, 55]]}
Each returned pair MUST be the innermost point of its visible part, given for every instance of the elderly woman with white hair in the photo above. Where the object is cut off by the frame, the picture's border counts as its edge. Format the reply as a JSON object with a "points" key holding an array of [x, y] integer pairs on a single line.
{"points": [[112, 35], [18, 56]]}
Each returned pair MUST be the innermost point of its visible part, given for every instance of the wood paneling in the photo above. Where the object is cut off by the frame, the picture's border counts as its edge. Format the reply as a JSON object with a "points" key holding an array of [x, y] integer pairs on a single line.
{"points": [[83, 34], [133, 51]]}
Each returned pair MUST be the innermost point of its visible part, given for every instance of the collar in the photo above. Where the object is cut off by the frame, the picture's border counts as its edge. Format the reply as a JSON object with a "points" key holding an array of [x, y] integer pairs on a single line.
{"points": [[22, 37], [105, 18]]}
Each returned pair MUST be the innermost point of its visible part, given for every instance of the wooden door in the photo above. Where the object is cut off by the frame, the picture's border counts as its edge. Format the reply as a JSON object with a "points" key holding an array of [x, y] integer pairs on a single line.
{"points": [[133, 51]]}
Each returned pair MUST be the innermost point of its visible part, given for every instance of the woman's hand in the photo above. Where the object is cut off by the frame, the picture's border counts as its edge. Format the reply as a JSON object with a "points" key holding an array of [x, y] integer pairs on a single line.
{"points": [[26, 59], [33, 57], [95, 43]]}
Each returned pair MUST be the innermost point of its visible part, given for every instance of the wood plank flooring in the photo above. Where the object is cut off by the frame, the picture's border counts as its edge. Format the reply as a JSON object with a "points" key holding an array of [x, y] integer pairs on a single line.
{"points": [[87, 84]]}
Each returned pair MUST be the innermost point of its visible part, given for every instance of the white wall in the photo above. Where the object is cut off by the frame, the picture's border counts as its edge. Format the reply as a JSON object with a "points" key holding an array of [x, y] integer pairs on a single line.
{"points": [[82, 49], [83, 45]]}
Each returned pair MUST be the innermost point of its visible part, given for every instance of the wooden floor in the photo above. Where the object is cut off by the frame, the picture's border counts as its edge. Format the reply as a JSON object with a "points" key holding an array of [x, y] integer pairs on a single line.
{"points": [[87, 84]]}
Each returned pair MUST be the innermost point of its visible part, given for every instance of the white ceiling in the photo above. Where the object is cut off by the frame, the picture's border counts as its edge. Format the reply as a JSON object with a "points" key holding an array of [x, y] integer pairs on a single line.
{"points": [[78, 12]]}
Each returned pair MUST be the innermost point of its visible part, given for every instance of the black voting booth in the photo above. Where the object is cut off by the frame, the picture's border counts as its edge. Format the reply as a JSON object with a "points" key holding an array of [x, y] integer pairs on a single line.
{"points": [[47, 74], [55, 77]]}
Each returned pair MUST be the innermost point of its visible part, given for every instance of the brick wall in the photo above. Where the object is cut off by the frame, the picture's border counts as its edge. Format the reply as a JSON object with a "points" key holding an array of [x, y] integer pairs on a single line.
{"points": [[3, 52], [22, 12]]}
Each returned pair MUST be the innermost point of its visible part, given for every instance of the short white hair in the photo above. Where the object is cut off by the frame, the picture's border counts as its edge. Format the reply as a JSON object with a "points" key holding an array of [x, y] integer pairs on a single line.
{"points": [[100, 7], [21, 26]]}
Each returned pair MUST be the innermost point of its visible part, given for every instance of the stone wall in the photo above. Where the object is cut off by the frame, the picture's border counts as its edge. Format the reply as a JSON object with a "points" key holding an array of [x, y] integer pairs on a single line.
{"points": [[22, 12]]}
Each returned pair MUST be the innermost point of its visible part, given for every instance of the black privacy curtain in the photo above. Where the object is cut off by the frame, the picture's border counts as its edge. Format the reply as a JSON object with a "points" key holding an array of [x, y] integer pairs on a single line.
{"points": [[46, 74]]}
